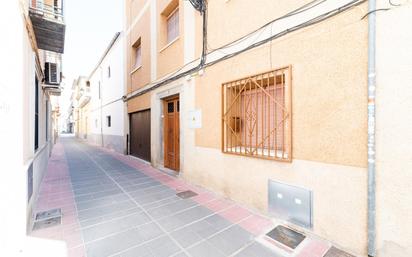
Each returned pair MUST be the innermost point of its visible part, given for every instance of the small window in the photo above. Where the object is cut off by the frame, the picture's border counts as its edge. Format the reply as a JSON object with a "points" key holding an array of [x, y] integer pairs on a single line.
{"points": [[99, 91], [170, 107], [47, 120], [137, 48], [109, 121], [36, 114], [257, 116], [173, 25], [108, 72]]}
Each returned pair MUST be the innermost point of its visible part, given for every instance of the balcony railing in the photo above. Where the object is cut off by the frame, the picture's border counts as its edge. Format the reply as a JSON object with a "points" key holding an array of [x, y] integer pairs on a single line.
{"points": [[47, 11], [48, 25], [83, 96]]}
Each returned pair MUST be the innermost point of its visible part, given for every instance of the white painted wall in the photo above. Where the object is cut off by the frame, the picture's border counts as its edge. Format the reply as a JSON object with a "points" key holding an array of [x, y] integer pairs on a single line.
{"points": [[14, 56], [17, 98], [110, 102], [393, 131]]}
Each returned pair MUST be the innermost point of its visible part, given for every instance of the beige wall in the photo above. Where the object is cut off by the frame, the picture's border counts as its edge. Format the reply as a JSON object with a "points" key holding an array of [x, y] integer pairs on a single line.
{"points": [[84, 122], [140, 77], [139, 103], [222, 30], [393, 131], [170, 56], [328, 89], [136, 7], [338, 190], [329, 70], [329, 113]]}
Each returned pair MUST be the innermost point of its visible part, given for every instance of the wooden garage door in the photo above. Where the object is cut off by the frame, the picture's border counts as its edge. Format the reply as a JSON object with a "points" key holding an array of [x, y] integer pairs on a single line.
{"points": [[140, 134]]}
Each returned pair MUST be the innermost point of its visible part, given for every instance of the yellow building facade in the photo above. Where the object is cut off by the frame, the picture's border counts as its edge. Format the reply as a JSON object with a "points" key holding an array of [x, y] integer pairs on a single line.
{"points": [[280, 99]]}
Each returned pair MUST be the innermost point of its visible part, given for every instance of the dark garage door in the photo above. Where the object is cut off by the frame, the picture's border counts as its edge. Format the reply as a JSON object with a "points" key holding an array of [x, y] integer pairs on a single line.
{"points": [[140, 134]]}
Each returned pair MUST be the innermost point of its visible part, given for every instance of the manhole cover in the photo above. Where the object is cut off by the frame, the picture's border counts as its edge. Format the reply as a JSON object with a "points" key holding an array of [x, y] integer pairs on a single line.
{"points": [[50, 222], [186, 194], [286, 236], [48, 214], [335, 252]]}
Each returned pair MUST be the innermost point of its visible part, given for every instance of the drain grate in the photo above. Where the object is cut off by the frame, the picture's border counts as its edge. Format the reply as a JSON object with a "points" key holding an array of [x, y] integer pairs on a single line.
{"points": [[47, 219], [286, 236], [335, 252], [186, 194], [48, 214], [50, 222]]}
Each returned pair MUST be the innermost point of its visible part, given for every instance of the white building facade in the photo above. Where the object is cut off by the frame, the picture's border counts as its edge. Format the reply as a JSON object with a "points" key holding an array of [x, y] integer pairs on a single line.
{"points": [[30, 69], [107, 114]]}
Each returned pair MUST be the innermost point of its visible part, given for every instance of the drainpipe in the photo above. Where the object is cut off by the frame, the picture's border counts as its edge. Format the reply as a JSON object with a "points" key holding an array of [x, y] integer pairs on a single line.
{"points": [[371, 128]]}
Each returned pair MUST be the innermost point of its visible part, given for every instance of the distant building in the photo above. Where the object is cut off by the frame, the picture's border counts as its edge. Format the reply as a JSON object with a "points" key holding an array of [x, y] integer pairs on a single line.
{"points": [[107, 115], [98, 113], [81, 98]]}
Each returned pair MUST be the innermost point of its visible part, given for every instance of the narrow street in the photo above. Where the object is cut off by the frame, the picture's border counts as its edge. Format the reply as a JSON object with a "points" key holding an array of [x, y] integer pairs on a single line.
{"points": [[115, 205], [171, 128], [124, 207]]}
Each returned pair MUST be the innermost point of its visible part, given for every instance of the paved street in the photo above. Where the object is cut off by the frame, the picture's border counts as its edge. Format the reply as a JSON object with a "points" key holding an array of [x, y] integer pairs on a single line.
{"points": [[115, 205]]}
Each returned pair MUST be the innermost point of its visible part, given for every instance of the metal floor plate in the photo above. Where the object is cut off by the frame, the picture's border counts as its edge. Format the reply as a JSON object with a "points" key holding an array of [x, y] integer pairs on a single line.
{"points": [[48, 214], [286, 236], [335, 252], [186, 194], [47, 223]]}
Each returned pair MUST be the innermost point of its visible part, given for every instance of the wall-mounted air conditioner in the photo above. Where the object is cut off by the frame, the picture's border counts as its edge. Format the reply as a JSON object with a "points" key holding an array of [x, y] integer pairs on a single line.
{"points": [[52, 73]]}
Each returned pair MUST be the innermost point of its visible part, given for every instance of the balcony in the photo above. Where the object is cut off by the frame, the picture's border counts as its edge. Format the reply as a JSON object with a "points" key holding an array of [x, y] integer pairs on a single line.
{"points": [[48, 25], [83, 96]]}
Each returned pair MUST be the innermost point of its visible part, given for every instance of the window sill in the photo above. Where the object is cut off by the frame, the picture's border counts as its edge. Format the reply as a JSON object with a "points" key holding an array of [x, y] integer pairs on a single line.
{"points": [[277, 155], [135, 69], [169, 44]]}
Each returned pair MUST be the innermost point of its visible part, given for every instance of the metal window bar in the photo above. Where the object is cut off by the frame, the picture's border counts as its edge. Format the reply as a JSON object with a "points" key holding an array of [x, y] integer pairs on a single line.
{"points": [[256, 116], [54, 12]]}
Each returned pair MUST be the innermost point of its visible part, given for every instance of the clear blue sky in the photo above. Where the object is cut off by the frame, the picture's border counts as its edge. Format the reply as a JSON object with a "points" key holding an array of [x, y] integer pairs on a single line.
{"points": [[90, 25]]}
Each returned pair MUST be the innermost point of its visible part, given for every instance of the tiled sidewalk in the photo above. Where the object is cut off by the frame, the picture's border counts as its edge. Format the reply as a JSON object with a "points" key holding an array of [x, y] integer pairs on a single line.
{"points": [[114, 205]]}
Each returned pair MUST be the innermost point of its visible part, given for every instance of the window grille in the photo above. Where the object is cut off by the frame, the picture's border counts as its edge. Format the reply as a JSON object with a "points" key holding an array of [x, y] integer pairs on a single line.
{"points": [[256, 116]]}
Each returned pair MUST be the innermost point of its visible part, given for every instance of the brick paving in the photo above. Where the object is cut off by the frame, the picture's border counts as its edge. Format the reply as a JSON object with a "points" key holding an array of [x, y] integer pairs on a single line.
{"points": [[116, 205]]}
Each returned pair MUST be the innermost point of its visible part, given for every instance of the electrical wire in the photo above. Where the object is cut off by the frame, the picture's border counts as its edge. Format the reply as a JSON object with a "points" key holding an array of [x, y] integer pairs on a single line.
{"points": [[373, 11], [172, 76], [256, 44], [287, 31], [299, 10], [393, 4]]}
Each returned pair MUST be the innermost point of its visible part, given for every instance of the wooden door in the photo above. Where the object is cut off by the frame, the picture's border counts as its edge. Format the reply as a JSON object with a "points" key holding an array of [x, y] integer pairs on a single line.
{"points": [[140, 134], [171, 133]]}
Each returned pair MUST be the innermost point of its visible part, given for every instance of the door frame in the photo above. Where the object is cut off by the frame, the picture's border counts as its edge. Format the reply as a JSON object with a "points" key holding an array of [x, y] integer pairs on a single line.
{"points": [[157, 98], [165, 101]]}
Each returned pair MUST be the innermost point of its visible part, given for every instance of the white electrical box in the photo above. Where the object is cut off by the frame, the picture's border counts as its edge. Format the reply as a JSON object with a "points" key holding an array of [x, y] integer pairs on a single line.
{"points": [[195, 119], [291, 203]]}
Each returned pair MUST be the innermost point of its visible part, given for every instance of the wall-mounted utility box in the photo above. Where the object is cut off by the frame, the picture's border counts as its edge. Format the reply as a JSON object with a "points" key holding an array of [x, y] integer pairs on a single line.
{"points": [[195, 119], [291, 203]]}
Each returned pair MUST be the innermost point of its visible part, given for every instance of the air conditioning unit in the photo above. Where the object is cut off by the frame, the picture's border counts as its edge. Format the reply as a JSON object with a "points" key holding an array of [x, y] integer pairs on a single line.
{"points": [[52, 73]]}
